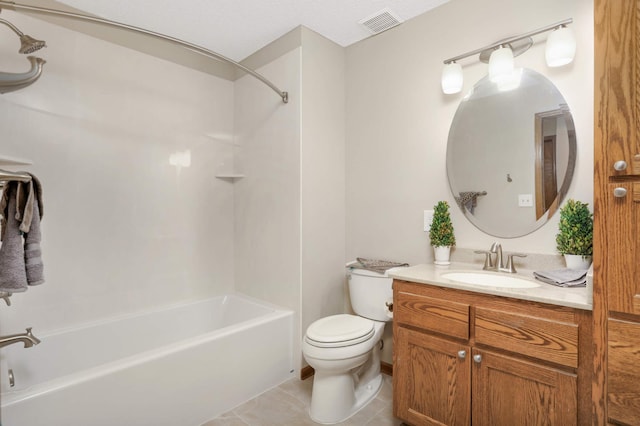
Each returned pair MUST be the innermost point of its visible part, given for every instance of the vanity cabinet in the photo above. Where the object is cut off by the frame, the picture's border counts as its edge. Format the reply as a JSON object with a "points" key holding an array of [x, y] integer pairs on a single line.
{"points": [[465, 358], [616, 304]]}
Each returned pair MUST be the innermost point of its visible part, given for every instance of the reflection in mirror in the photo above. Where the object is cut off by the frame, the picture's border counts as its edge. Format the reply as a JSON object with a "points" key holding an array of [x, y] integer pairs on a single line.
{"points": [[511, 154]]}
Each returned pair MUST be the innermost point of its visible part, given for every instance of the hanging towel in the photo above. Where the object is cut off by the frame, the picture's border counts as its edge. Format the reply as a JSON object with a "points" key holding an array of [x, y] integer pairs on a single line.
{"points": [[28, 195], [32, 252], [13, 277], [379, 266]]}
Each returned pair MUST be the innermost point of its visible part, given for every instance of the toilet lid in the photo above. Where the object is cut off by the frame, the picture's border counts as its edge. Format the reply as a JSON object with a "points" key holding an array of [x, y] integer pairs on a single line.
{"points": [[339, 330]]}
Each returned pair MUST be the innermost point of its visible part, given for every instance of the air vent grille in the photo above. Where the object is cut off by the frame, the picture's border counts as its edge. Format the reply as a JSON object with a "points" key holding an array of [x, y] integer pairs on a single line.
{"points": [[381, 21]]}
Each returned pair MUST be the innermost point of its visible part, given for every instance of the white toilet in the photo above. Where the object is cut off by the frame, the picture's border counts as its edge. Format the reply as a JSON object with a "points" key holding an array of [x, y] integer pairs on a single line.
{"points": [[344, 350]]}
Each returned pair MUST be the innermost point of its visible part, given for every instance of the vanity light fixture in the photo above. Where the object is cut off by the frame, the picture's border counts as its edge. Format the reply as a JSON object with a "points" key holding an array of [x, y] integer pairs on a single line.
{"points": [[560, 50], [452, 78], [561, 47], [501, 64]]}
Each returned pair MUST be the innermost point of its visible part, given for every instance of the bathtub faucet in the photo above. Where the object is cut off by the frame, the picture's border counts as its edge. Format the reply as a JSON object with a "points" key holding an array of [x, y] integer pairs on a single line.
{"points": [[27, 338]]}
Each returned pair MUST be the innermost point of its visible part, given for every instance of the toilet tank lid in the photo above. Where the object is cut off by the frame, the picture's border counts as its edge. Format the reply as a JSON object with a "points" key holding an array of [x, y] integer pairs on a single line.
{"points": [[366, 273]]}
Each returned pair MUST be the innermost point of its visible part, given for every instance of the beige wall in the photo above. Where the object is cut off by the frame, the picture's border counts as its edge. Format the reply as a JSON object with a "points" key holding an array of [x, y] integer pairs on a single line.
{"points": [[398, 120], [322, 178], [290, 207]]}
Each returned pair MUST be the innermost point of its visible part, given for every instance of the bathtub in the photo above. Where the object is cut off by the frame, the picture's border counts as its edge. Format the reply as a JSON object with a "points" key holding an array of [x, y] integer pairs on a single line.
{"points": [[178, 366]]}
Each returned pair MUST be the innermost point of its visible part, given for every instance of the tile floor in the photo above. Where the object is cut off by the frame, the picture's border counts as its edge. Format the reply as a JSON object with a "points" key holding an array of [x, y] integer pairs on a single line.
{"points": [[288, 405]]}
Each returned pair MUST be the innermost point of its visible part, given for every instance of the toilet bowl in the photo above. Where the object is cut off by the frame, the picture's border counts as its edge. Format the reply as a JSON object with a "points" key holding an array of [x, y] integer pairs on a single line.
{"points": [[344, 350]]}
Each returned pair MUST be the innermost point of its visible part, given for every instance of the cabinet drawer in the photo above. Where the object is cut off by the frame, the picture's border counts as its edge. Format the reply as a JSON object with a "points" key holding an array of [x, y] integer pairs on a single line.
{"points": [[441, 316], [548, 340]]}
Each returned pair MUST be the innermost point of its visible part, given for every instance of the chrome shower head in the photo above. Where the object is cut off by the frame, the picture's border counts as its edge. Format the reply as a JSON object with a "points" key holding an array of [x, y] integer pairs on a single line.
{"points": [[28, 44]]}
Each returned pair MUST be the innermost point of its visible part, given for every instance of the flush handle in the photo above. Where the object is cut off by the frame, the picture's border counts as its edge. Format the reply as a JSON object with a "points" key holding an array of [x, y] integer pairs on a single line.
{"points": [[620, 192], [620, 165], [462, 354], [477, 358]]}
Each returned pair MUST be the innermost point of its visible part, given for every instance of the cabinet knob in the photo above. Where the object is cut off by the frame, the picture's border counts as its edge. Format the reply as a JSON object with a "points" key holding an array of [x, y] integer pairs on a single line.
{"points": [[620, 192], [620, 165], [462, 354], [477, 358]]}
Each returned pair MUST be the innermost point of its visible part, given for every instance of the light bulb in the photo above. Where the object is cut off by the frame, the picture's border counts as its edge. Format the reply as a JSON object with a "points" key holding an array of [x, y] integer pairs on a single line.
{"points": [[452, 78], [561, 47], [501, 64]]}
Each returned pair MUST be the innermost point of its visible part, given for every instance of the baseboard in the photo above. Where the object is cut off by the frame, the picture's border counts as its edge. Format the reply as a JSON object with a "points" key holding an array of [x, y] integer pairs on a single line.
{"points": [[308, 371], [386, 368]]}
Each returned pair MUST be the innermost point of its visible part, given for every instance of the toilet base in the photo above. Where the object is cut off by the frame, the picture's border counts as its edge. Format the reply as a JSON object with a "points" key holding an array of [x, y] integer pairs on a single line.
{"points": [[334, 399]]}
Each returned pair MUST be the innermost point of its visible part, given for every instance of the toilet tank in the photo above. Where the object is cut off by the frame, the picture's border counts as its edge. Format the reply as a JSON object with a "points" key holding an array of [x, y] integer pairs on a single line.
{"points": [[369, 291]]}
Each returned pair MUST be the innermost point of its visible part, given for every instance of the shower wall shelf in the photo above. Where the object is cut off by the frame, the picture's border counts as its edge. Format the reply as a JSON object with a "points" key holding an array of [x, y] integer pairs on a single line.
{"points": [[12, 161], [230, 176]]}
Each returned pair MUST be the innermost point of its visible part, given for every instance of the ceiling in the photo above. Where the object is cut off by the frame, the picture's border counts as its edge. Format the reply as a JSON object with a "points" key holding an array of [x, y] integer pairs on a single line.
{"points": [[238, 28]]}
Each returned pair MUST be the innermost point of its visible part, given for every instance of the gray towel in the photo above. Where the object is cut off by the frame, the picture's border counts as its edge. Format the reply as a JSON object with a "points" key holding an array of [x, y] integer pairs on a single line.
{"points": [[32, 252], [379, 266], [563, 277], [13, 277]]}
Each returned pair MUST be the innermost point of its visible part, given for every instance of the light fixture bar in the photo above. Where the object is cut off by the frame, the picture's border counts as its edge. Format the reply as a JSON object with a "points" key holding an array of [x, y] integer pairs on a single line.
{"points": [[193, 47], [507, 40]]}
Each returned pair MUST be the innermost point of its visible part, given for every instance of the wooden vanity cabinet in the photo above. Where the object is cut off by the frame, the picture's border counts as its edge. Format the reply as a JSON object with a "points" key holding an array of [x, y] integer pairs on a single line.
{"points": [[464, 358]]}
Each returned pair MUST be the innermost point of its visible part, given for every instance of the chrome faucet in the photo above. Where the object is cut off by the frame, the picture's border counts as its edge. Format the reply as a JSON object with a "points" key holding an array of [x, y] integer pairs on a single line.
{"points": [[27, 338], [498, 265]]}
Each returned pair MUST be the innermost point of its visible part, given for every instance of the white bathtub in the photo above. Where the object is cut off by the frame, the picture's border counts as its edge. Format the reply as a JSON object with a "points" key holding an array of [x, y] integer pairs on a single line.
{"points": [[178, 366]]}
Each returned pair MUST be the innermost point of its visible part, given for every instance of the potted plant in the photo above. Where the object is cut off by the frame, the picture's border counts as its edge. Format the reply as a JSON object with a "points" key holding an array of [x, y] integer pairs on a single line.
{"points": [[441, 233], [575, 236]]}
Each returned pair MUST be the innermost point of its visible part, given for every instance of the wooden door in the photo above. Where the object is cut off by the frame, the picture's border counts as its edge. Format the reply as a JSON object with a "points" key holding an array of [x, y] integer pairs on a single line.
{"points": [[616, 165], [431, 381], [508, 391]]}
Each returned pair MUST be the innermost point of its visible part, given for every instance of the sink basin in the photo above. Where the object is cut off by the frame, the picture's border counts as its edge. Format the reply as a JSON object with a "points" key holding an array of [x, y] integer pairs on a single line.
{"points": [[489, 279]]}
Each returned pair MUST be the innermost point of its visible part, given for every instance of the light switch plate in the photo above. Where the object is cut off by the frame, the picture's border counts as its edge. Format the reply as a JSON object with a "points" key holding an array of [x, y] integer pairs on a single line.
{"points": [[428, 218], [525, 200]]}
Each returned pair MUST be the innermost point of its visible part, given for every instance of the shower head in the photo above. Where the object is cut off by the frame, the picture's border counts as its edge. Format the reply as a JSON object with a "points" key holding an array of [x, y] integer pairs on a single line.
{"points": [[28, 44]]}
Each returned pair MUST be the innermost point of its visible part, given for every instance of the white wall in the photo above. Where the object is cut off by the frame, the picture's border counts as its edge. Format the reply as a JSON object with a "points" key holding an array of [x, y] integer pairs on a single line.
{"points": [[398, 120], [123, 230]]}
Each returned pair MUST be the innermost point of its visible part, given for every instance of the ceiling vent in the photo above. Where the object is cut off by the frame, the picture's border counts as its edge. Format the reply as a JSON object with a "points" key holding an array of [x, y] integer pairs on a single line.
{"points": [[381, 21]]}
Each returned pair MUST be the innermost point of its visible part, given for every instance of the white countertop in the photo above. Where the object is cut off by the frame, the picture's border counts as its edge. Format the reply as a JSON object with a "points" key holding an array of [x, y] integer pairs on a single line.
{"points": [[576, 297]]}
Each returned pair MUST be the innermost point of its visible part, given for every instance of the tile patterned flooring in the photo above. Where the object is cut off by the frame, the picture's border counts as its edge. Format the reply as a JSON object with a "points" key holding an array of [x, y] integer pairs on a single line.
{"points": [[288, 405]]}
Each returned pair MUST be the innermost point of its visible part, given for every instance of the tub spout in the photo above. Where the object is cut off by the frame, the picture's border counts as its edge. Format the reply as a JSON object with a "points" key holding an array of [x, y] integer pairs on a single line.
{"points": [[27, 338], [15, 81]]}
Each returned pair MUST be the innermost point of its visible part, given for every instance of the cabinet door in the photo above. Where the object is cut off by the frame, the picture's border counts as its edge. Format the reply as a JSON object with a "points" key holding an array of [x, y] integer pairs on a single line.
{"points": [[623, 248], [623, 378], [507, 391], [431, 381], [617, 31]]}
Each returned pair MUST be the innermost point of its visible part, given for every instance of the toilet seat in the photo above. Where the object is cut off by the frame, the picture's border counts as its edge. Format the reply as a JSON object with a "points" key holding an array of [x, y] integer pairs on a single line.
{"points": [[338, 331]]}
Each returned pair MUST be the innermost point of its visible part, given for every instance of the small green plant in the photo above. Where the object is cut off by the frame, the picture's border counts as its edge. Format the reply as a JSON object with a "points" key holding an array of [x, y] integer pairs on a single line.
{"points": [[576, 229], [441, 232]]}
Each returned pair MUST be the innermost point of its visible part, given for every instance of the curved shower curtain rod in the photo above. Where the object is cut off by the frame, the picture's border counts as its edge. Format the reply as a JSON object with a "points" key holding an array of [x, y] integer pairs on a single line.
{"points": [[198, 49]]}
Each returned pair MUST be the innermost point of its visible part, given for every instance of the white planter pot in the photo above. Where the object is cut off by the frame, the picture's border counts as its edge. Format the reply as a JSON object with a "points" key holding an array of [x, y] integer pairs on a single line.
{"points": [[577, 261], [441, 254]]}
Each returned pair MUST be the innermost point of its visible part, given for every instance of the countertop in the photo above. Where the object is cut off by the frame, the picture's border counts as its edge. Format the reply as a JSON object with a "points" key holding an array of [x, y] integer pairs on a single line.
{"points": [[430, 274]]}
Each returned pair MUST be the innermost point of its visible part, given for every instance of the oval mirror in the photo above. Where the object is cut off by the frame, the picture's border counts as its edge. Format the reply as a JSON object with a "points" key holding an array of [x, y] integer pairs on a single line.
{"points": [[511, 154]]}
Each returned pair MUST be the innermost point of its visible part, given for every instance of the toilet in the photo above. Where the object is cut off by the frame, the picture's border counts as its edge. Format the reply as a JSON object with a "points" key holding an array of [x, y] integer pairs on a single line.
{"points": [[344, 350]]}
